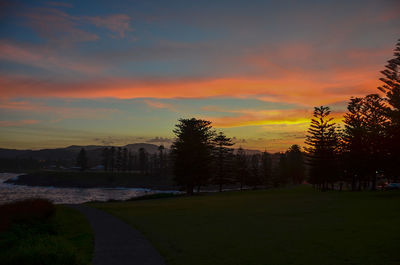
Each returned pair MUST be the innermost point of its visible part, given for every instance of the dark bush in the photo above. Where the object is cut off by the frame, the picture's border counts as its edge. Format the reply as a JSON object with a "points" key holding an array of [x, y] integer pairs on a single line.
{"points": [[28, 210]]}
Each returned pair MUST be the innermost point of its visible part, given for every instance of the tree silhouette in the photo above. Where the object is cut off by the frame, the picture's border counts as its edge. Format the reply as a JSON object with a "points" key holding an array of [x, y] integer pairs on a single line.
{"points": [[354, 142], [143, 161], [112, 158], [240, 167], [266, 169], [254, 178], [364, 136], [118, 160], [222, 154], [106, 158], [322, 141], [391, 88], [82, 161], [192, 152], [161, 157], [295, 164]]}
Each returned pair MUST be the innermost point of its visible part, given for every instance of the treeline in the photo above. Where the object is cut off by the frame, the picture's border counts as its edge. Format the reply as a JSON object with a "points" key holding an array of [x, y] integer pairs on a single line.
{"points": [[225, 167], [369, 144], [202, 157], [122, 159]]}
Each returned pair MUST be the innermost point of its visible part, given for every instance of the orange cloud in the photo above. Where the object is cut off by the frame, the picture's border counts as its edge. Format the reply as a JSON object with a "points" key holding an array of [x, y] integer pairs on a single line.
{"points": [[297, 89]]}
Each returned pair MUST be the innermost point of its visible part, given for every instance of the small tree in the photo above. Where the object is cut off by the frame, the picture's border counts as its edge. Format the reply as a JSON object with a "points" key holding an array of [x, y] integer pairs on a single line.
{"points": [[192, 153], [82, 161], [222, 154], [322, 141]]}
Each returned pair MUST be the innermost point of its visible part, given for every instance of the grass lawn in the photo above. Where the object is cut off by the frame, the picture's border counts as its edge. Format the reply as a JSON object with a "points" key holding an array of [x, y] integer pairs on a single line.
{"points": [[284, 226], [64, 238]]}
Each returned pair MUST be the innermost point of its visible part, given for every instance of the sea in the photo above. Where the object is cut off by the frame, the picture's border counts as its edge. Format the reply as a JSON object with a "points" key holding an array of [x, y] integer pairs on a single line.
{"points": [[11, 192]]}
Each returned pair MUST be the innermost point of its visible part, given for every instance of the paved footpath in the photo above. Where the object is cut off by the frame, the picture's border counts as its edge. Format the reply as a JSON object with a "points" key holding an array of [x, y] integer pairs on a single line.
{"points": [[117, 243]]}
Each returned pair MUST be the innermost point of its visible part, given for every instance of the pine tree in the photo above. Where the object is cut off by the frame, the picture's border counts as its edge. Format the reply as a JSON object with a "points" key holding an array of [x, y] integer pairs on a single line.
{"points": [[222, 155], [354, 142], [106, 158], [192, 153], [266, 169], [323, 143], [240, 167], [295, 164], [161, 158], [364, 137], [391, 88], [254, 178], [143, 164], [82, 161]]}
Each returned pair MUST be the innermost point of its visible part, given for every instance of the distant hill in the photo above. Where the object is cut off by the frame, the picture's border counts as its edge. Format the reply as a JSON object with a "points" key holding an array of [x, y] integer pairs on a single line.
{"points": [[71, 152], [68, 155]]}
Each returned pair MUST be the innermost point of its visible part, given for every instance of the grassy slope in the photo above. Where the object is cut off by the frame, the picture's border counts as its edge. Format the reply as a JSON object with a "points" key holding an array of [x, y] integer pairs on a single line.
{"points": [[65, 239], [289, 226]]}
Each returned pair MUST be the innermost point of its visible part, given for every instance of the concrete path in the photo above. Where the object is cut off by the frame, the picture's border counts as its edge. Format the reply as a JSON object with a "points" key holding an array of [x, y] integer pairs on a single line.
{"points": [[116, 243]]}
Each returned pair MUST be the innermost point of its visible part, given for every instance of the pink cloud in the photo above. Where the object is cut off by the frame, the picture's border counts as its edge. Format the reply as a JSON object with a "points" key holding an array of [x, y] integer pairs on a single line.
{"points": [[118, 23], [57, 26], [17, 123], [58, 111], [45, 58], [159, 105]]}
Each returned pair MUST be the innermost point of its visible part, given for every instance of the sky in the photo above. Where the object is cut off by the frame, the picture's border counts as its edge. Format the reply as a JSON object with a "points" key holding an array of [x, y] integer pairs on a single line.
{"points": [[119, 72]]}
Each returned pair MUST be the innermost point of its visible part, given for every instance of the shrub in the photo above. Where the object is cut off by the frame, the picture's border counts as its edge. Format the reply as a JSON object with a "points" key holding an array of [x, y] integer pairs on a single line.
{"points": [[28, 210]]}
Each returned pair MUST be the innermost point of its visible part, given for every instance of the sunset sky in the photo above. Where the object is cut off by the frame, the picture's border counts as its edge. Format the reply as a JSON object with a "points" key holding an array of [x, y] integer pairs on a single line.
{"points": [[119, 72]]}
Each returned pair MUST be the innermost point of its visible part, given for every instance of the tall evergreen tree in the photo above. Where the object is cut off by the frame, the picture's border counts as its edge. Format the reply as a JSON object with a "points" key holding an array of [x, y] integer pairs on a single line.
{"points": [[354, 142], [254, 178], [282, 170], [112, 158], [161, 158], [266, 169], [391, 88], [222, 154], [118, 160], [192, 152], [322, 144], [364, 136], [295, 164], [82, 160], [240, 167], [106, 158], [143, 165], [124, 163]]}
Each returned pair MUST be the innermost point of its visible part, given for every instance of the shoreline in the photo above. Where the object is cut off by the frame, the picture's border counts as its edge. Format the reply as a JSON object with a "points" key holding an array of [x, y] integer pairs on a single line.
{"points": [[100, 180]]}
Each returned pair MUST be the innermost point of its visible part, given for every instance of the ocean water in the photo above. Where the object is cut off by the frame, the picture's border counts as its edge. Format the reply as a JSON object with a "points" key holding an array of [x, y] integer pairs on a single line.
{"points": [[10, 192]]}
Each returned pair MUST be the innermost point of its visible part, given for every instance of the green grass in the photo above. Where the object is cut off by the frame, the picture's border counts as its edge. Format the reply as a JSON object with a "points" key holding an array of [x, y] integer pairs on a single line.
{"points": [[286, 226], [65, 238]]}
